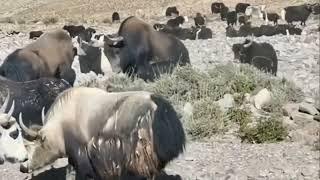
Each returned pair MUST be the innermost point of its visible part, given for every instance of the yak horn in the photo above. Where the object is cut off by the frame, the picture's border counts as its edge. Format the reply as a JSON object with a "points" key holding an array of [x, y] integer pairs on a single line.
{"points": [[249, 44], [25, 129], [42, 115], [5, 104], [10, 111]]}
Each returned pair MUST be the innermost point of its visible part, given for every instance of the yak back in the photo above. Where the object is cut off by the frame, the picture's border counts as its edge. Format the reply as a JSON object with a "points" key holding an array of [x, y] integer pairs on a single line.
{"points": [[31, 96], [23, 65], [55, 48]]}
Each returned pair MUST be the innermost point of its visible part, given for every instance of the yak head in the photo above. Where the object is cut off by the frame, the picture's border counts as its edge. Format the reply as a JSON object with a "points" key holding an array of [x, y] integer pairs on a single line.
{"points": [[42, 151], [12, 148]]}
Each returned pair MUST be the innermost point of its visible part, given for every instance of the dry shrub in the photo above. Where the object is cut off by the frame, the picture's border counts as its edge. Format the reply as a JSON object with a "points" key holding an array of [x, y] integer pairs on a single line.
{"points": [[189, 85]]}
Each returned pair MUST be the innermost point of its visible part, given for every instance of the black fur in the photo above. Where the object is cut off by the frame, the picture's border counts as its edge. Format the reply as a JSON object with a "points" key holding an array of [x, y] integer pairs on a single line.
{"points": [[298, 13], [232, 18], [172, 10], [74, 30], [199, 20], [223, 13], [241, 7], [264, 51], [31, 96], [216, 7], [115, 17], [35, 34], [91, 61]]}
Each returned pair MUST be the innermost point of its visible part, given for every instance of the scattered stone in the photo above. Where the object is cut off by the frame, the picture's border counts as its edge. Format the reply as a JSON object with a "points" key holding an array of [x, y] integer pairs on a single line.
{"points": [[262, 98], [188, 110], [308, 108], [288, 109], [226, 102], [302, 136]]}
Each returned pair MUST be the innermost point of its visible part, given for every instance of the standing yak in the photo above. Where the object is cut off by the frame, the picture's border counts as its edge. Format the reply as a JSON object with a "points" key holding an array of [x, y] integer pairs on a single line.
{"points": [[51, 55], [296, 13], [138, 49], [108, 135]]}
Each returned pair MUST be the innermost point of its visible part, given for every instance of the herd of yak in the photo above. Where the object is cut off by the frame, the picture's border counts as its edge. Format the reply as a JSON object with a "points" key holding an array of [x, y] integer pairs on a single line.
{"points": [[109, 135]]}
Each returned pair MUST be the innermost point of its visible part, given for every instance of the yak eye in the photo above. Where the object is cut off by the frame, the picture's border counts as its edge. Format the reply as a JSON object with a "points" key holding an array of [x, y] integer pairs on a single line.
{"points": [[0, 134], [14, 134]]}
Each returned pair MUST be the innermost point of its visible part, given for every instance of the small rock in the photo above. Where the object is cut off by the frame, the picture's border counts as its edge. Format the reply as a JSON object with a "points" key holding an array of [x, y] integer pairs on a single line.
{"points": [[226, 102], [247, 97], [308, 108], [262, 98], [288, 109], [302, 136], [188, 109]]}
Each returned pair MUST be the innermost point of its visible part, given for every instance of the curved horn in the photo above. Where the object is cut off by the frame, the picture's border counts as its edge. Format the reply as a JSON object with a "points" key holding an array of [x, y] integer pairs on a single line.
{"points": [[25, 129], [249, 44], [42, 115], [5, 104], [8, 116]]}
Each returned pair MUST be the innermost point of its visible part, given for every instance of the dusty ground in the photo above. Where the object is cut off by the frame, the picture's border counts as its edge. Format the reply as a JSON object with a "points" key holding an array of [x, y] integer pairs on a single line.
{"points": [[223, 157]]}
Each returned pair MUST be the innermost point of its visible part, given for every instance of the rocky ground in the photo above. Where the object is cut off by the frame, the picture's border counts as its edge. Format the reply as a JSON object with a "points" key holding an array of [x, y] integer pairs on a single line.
{"points": [[225, 157]]}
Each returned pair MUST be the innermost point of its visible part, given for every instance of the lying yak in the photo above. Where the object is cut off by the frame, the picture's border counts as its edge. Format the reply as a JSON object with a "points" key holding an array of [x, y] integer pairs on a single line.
{"points": [[140, 50], [12, 148], [261, 55], [51, 55], [31, 96], [139, 131]]}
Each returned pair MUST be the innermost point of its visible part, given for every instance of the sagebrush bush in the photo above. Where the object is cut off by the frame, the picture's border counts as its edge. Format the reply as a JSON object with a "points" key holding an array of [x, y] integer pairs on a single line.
{"points": [[267, 130], [201, 89], [50, 20]]}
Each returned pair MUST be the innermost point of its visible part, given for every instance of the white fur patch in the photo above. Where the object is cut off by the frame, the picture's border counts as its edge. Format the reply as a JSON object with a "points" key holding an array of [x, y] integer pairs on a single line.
{"points": [[105, 63], [283, 14]]}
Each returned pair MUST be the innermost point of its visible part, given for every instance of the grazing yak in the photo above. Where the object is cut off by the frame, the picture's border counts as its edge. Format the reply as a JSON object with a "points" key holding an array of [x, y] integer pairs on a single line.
{"points": [[139, 132], [261, 55], [203, 32], [35, 34], [115, 17], [216, 7], [180, 33], [31, 96], [12, 148], [74, 30], [241, 7], [172, 11], [232, 18], [87, 34], [51, 55], [274, 17], [296, 13], [138, 49], [199, 20]]}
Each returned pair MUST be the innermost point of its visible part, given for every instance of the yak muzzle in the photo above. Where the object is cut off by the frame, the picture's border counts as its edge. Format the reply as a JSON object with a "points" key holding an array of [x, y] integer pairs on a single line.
{"points": [[24, 167]]}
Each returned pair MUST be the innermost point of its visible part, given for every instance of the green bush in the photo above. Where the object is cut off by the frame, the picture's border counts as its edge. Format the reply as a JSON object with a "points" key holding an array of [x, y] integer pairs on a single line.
{"points": [[266, 130]]}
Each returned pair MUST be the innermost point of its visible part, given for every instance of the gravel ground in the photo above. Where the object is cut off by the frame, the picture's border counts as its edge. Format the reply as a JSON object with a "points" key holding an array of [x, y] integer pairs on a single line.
{"points": [[227, 158]]}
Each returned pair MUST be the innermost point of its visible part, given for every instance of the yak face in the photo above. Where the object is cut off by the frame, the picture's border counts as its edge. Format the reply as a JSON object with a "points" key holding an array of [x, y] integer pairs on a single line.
{"points": [[236, 48], [12, 148], [41, 152]]}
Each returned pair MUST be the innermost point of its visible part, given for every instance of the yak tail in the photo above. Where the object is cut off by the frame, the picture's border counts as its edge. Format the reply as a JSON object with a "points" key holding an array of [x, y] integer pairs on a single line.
{"points": [[168, 133]]}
